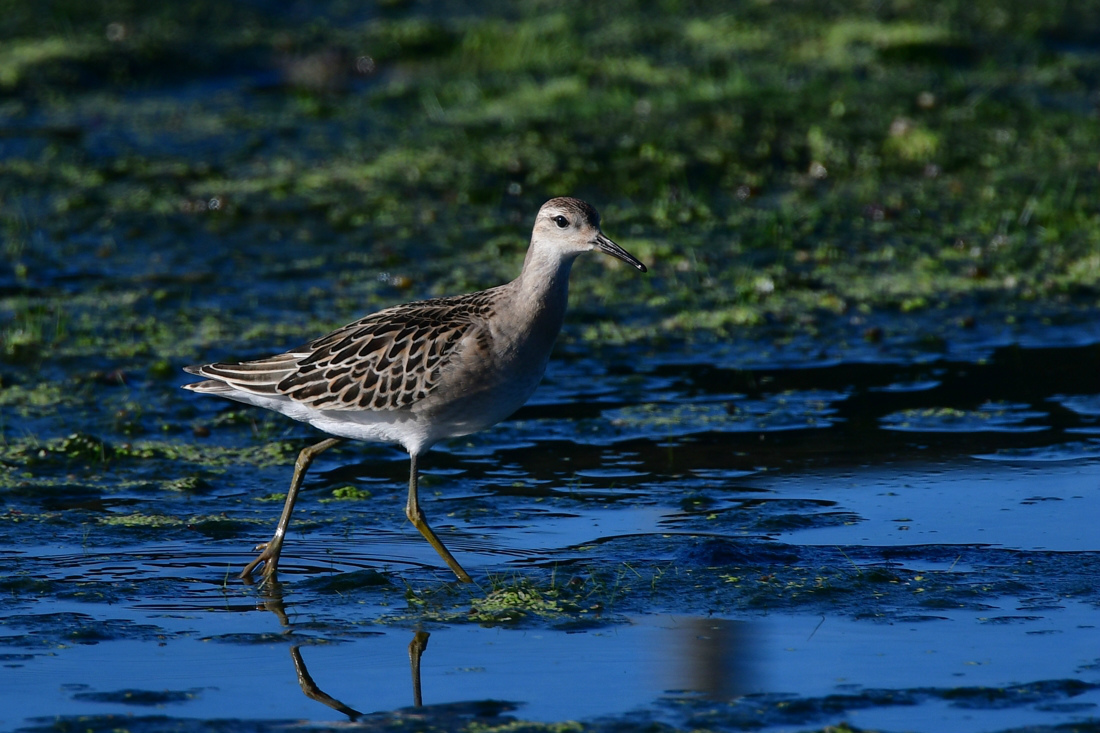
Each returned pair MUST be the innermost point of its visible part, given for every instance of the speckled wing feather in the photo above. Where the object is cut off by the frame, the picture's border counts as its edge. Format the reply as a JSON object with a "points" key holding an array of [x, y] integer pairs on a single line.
{"points": [[385, 361]]}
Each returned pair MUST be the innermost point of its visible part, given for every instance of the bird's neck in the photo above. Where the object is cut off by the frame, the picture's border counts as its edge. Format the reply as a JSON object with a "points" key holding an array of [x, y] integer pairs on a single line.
{"points": [[542, 289]]}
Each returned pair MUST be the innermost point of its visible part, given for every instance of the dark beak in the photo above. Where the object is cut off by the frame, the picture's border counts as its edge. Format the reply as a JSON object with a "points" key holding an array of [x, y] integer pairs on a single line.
{"points": [[604, 244]]}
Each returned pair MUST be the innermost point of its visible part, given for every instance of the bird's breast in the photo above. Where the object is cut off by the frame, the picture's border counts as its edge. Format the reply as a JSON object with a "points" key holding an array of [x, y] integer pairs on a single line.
{"points": [[494, 372]]}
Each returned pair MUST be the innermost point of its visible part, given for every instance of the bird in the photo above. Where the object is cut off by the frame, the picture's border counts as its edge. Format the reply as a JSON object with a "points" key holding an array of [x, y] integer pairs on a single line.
{"points": [[419, 373]]}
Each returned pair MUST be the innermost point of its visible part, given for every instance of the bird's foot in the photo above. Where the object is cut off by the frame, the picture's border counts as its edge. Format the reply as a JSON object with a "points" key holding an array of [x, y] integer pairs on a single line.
{"points": [[269, 558]]}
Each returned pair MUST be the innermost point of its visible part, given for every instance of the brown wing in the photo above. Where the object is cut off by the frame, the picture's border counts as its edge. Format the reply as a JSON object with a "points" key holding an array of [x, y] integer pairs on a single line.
{"points": [[386, 361]]}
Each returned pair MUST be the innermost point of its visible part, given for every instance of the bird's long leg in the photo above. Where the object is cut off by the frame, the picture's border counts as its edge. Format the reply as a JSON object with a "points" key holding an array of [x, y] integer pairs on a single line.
{"points": [[412, 511], [271, 550]]}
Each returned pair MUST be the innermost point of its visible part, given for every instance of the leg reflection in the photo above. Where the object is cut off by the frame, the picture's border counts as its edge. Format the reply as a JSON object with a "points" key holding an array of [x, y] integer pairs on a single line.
{"points": [[313, 692], [273, 602], [416, 650]]}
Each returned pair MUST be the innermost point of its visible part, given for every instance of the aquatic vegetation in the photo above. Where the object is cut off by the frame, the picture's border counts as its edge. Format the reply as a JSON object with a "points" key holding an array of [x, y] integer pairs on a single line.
{"points": [[880, 182], [584, 601], [991, 416], [874, 237], [512, 603], [348, 493], [789, 411]]}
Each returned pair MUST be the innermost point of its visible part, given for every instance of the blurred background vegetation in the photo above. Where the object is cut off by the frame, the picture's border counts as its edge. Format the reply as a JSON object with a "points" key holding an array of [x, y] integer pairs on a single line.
{"points": [[166, 167]]}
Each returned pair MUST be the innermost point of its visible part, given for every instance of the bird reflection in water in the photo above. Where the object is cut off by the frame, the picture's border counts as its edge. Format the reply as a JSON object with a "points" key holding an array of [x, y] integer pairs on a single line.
{"points": [[714, 659], [699, 658], [273, 601]]}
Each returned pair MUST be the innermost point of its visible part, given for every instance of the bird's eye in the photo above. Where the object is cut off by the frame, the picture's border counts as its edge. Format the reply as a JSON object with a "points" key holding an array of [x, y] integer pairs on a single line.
{"points": [[561, 221]]}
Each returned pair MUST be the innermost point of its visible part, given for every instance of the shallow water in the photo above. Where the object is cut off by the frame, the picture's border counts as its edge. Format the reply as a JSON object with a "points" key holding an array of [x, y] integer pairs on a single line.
{"points": [[902, 544]]}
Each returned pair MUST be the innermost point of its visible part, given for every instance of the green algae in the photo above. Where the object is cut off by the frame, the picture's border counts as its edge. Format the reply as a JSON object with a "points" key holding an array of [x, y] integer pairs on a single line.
{"points": [[586, 600], [91, 451], [348, 493], [805, 159], [991, 416], [514, 602], [214, 524], [143, 521]]}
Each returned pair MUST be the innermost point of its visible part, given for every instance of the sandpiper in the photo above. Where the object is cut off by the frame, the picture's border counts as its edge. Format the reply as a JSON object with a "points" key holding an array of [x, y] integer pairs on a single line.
{"points": [[415, 374]]}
